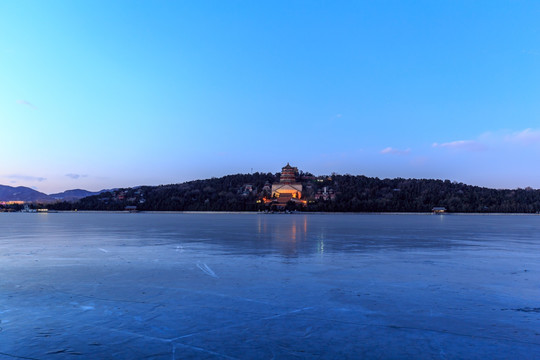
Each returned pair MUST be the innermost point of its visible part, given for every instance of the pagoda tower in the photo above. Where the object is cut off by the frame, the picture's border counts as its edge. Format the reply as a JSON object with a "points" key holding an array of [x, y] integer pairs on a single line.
{"points": [[288, 174], [287, 188]]}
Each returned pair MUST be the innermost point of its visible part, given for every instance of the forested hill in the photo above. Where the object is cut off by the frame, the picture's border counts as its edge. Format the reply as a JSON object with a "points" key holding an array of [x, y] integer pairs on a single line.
{"points": [[244, 192]]}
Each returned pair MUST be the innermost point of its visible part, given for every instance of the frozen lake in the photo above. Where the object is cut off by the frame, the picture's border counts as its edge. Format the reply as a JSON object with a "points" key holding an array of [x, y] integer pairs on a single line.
{"points": [[246, 286]]}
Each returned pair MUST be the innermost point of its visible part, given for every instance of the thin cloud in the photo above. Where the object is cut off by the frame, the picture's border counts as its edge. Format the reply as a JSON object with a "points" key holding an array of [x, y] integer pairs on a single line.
{"points": [[502, 140], [390, 150], [26, 103], [531, 52], [336, 117], [26, 177], [526, 137], [75, 176], [467, 145]]}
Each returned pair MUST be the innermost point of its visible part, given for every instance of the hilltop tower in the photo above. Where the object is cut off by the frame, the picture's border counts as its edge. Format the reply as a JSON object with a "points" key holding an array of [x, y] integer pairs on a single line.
{"points": [[287, 188], [288, 174]]}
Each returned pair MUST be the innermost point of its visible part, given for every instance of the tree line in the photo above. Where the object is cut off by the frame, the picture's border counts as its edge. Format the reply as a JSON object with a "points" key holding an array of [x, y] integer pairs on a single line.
{"points": [[354, 193]]}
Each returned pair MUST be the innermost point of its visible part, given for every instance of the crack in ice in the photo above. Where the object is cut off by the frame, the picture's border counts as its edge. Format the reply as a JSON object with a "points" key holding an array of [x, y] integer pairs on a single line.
{"points": [[202, 350], [206, 269]]}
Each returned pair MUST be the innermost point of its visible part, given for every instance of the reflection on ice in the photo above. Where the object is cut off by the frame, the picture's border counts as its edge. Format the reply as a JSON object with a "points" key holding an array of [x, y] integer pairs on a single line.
{"points": [[176, 286]]}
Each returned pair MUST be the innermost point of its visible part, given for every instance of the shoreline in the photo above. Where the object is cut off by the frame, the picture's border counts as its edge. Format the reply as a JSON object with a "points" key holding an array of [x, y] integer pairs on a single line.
{"points": [[263, 213]]}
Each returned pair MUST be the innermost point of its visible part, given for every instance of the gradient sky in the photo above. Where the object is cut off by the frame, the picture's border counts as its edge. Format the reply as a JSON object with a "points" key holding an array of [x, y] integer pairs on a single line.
{"points": [[101, 94]]}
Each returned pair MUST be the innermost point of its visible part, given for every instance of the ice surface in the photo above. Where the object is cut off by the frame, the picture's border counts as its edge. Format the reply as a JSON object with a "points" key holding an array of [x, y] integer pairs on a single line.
{"points": [[245, 286]]}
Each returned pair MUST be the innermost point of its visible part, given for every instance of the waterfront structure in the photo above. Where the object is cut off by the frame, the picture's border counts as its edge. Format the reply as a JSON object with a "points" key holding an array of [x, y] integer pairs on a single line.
{"points": [[439, 210]]}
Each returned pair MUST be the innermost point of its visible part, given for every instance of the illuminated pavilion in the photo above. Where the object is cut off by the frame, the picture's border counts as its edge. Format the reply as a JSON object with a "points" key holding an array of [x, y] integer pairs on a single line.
{"points": [[287, 189]]}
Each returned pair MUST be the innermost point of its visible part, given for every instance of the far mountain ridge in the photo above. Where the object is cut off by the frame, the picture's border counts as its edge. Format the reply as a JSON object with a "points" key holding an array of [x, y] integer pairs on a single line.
{"points": [[75, 194], [26, 194], [23, 193]]}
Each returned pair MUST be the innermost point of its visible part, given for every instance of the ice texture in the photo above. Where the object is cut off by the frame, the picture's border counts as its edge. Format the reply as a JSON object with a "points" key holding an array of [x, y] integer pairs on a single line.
{"points": [[261, 286]]}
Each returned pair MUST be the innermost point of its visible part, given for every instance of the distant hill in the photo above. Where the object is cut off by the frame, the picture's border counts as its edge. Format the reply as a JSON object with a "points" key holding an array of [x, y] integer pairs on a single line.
{"points": [[22, 193], [353, 193], [75, 194], [246, 192]]}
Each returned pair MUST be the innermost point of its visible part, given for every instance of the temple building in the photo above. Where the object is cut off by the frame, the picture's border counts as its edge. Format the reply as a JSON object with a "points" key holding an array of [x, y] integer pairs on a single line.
{"points": [[287, 186], [287, 189]]}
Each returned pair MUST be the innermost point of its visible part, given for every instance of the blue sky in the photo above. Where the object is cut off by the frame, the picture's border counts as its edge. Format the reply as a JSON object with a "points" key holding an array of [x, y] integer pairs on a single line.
{"points": [[100, 94]]}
